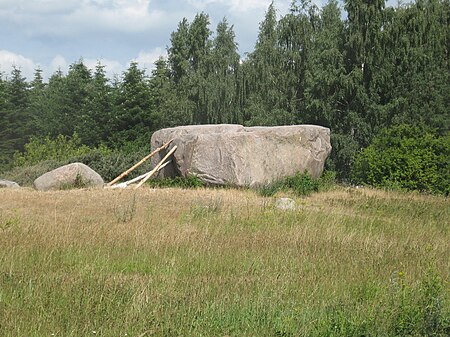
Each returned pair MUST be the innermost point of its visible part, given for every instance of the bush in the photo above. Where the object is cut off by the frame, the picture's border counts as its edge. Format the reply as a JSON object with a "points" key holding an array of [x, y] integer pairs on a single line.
{"points": [[181, 182], [25, 175], [110, 165], [301, 185], [60, 148], [405, 157], [42, 155]]}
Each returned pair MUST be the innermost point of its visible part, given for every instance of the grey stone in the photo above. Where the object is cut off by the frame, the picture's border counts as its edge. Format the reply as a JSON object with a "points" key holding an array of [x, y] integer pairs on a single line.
{"points": [[73, 175], [8, 184], [244, 156], [285, 204]]}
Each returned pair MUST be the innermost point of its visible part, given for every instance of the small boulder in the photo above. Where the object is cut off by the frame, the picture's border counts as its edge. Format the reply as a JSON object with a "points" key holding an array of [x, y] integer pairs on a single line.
{"points": [[8, 184], [285, 204], [76, 175]]}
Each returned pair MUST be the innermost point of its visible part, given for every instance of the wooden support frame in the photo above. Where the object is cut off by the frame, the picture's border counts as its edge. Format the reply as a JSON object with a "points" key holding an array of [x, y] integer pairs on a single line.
{"points": [[124, 174], [129, 182], [157, 167]]}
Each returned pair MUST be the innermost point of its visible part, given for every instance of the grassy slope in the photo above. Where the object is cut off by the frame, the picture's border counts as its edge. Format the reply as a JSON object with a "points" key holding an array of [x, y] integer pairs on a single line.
{"points": [[222, 262]]}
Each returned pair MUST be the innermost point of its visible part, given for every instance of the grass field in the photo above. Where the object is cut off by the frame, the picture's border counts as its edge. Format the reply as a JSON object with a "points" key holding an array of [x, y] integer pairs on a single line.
{"points": [[172, 262]]}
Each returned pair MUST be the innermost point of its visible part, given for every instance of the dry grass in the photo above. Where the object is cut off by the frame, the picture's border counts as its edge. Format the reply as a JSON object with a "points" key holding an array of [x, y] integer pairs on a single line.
{"points": [[222, 262]]}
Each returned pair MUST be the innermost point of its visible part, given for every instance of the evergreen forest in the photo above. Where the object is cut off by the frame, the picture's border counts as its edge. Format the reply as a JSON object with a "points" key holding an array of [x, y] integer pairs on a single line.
{"points": [[377, 76]]}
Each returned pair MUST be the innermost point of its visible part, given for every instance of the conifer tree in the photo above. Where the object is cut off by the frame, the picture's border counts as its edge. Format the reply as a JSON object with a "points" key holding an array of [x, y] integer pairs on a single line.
{"points": [[200, 63], [133, 119], [38, 104], [4, 145], [225, 63], [18, 124], [93, 127], [264, 72]]}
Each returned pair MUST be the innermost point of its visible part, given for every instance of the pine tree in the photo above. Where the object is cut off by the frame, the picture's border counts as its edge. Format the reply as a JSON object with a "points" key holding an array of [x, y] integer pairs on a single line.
{"points": [[200, 63], [417, 46], [179, 61], [297, 35], [4, 123], [222, 81], [18, 122], [50, 121], [133, 120], [365, 53], [324, 78], [264, 73], [178, 52], [38, 103], [93, 126], [164, 99]]}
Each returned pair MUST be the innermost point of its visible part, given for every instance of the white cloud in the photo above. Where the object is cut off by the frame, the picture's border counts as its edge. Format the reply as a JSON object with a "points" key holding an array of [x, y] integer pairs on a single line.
{"points": [[58, 63], [73, 17], [112, 67], [118, 15], [243, 7], [234, 5], [146, 60], [8, 60]]}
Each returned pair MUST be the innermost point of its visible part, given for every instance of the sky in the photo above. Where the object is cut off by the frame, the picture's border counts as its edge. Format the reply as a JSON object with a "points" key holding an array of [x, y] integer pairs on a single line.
{"points": [[52, 34]]}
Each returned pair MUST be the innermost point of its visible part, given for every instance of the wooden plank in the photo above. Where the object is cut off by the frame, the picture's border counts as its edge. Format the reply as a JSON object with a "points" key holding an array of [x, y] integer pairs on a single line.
{"points": [[152, 172], [139, 163], [129, 182]]}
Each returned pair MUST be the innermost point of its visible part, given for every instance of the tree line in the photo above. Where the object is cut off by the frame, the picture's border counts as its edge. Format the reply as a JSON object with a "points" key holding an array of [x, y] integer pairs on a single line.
{"points": [[357, 71]]}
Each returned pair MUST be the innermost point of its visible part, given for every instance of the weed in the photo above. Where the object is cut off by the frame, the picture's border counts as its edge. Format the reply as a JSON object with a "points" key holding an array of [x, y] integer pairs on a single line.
{"points": [[301, 185], [230, 266], [125, 213], [201, 209], [190, 181], [7, 220]]}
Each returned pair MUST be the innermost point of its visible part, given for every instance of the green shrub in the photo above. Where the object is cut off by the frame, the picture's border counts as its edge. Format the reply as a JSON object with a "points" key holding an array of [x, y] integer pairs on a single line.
{"points": [[42, 155], [60, 148], [301, 185], [25, 175], [190, 181], [270, 189], [110, 165], [405, 157], [327, 181]]}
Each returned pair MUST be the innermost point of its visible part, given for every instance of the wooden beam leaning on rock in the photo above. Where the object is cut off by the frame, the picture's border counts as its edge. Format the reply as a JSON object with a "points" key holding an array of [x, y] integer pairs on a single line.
{"points": [[139, 163], [157, 167], [132, 181]]}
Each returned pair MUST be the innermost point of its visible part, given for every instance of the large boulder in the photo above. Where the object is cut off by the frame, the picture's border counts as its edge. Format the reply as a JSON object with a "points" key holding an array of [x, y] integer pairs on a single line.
{"points": [[244, 156], [76, 175], [8, 184]]}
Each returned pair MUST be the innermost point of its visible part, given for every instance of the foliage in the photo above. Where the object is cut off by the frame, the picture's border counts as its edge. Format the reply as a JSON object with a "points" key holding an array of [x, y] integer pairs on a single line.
{"points": [[356, 72], [60, 148], [45, 154], [125, 213], [300, 184], [190, 181], [26, 175], [407, 157]]}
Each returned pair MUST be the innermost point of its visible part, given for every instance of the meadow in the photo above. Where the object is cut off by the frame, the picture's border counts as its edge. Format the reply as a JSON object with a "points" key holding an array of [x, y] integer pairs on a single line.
{"points": [[223, 262]]}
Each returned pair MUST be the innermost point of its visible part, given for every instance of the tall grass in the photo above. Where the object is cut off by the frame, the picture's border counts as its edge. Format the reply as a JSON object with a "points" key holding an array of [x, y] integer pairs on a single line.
{"points": [[173, 262]]}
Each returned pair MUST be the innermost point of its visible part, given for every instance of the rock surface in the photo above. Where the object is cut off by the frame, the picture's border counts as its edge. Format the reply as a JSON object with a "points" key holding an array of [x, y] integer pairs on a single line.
{"points": [[244, 156], [8, 184], [74, 175], [285, 204]]}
